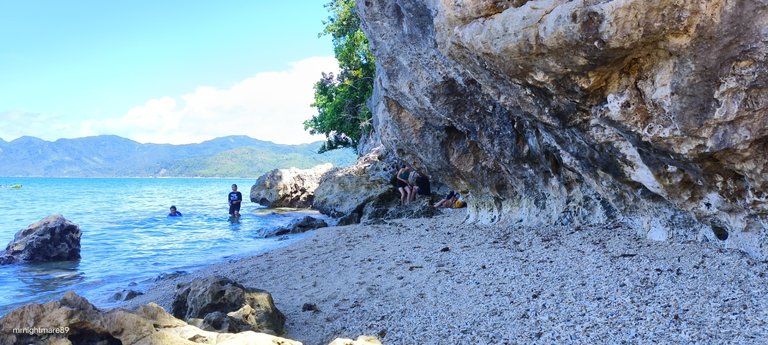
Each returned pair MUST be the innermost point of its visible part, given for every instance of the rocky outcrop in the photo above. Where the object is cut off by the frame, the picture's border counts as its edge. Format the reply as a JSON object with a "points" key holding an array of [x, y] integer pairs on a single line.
{"points": [[222, 305], [365, 192], [73, 321], [288, 187], [345, 192], [652, 113], [53, 238]]}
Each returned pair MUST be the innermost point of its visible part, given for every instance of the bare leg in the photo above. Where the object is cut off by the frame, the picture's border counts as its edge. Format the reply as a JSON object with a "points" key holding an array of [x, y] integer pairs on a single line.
{"points": [[403, 195], [408, 197]]}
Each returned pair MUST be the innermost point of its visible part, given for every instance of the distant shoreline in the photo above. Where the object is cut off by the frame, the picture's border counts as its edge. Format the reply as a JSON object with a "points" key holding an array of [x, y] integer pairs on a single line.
{"points": [[113, 156]]}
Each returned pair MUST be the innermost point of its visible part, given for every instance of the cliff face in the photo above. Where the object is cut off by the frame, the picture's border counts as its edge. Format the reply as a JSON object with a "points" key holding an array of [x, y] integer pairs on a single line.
{"points": [[653, 113]]}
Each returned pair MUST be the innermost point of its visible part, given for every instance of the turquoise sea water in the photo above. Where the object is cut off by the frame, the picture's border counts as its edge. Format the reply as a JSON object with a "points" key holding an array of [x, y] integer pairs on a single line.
{"points": [[127, 238]]}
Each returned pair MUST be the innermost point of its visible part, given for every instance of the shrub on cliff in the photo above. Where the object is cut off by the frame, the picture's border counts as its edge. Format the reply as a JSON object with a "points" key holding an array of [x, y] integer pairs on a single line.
{"points": [[343, 115]]}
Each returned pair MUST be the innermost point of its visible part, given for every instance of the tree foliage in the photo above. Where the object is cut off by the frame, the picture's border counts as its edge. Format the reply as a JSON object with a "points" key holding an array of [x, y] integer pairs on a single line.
{"points": [[343, 115]]}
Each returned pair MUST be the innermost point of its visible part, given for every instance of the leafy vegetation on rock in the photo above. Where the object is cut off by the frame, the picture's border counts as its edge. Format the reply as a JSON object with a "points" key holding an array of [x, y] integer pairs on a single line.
{"points": [[343, 115]]}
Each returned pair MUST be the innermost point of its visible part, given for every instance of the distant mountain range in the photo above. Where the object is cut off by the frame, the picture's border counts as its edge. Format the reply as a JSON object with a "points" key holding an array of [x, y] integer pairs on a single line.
{"points": [[113, 156]]}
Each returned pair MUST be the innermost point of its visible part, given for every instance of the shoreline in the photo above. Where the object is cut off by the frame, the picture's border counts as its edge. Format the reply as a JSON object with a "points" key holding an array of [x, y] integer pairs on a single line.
{"points": [[440, 281]]}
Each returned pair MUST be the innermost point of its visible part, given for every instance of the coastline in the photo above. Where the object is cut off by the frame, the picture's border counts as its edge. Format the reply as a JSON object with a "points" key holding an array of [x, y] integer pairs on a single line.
{"points": [[440, 281]]}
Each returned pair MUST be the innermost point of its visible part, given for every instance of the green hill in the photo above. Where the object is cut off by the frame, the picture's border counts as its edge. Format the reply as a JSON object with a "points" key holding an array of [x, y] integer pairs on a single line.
{"points": [[249, 162], [113, 156]]}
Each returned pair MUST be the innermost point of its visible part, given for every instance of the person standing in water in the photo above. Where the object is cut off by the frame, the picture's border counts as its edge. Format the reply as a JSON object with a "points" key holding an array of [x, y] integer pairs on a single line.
{"points": [[235, 198]]}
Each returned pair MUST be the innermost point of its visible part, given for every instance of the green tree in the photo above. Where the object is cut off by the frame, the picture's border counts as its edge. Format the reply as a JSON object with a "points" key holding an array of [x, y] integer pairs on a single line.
{"points": [[342, 113]]}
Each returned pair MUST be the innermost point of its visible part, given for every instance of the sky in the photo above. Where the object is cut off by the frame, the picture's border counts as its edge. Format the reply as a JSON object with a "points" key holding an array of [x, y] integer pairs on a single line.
{"points": [[168, 71]]}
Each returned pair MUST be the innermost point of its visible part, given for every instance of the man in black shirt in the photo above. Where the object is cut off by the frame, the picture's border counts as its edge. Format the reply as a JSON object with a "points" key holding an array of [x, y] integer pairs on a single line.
{"points": [[234, 198]]}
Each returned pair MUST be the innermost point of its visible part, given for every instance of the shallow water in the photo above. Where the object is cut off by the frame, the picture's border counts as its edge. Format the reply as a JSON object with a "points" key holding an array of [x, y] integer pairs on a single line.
{"points": [[127, 239]]}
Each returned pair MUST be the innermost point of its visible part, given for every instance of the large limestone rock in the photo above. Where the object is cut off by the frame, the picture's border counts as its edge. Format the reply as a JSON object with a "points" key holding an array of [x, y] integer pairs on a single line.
{"points": [[74, 321], [226, 306], [53, 238], [653, 113], [288, 187], [345, 192]]}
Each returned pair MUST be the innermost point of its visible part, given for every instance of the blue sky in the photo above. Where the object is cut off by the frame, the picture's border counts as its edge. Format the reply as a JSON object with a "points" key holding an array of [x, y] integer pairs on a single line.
{"points": [[160, 71]]}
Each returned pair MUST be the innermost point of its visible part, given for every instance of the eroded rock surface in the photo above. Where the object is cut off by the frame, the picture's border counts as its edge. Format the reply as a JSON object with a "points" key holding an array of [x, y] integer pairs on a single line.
{"points": [[224, 305], [346, 192], [653, 113], [53, 238], [73, 321], [288, 187]]}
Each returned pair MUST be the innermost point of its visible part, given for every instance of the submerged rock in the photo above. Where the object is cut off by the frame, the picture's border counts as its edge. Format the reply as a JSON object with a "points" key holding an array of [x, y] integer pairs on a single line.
{"points": [[172, 275], [53, 238], [125, 295], [654, 114], [301, 225], [226, 306], [288, 187]]}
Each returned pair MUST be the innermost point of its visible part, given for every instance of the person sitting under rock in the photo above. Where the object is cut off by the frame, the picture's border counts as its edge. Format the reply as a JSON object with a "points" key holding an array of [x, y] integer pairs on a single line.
{"points": [[402, 184], [448, 201], [174, 212], [459, 203]]}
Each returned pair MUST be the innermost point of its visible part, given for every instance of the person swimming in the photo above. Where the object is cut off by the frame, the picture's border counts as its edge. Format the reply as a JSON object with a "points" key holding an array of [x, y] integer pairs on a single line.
{"points": [[174, 212]]}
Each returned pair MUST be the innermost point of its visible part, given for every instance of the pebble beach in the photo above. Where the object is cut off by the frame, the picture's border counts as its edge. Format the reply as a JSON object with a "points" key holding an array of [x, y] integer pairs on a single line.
{"points": [[442, 281]]}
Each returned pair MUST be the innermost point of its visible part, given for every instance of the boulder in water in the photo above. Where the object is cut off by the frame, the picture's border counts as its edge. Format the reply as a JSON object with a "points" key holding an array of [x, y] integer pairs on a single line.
{"points": [[53, 238]]}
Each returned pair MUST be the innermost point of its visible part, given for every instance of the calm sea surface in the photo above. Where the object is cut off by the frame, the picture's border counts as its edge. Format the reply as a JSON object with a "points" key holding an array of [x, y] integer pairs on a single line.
{"points": [[127, 238]]}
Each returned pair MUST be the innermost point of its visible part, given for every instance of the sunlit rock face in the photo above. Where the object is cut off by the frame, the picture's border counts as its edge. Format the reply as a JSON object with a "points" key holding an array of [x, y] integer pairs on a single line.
{"points": [[653, 113]]}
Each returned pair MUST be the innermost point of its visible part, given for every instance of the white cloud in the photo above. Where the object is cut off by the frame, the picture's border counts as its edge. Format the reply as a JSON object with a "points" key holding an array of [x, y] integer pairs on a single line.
{"points": [[14, 124], [268, 106]]}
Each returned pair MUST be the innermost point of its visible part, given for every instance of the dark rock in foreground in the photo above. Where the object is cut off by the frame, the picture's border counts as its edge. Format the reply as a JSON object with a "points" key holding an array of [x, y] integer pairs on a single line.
{"points": [[51, 239], [73, 320], [226, 306]]}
